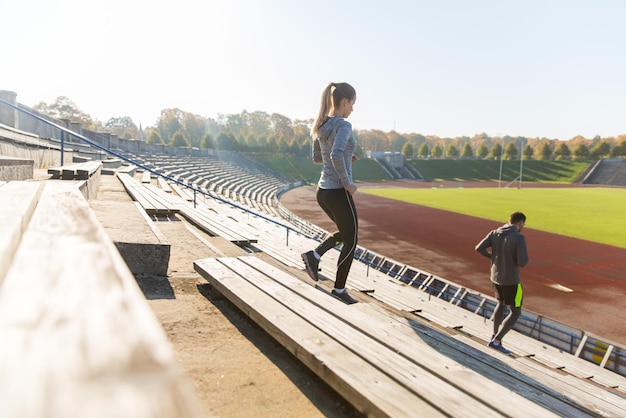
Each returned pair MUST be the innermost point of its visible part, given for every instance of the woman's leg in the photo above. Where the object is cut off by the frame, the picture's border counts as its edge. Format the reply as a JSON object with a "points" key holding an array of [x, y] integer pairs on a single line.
{"points": [[339, 206]]}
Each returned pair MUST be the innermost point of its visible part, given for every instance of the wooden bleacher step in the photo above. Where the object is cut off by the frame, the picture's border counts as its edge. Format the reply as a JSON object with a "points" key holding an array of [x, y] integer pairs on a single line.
{"points": [[78, 338], [381, 374]]}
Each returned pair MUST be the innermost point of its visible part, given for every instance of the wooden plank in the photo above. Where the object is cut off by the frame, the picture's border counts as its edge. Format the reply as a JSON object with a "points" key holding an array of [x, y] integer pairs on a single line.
{"points": [[403, 340], [336, 321], [326, 357], [19, 199], [163, 184], [78, 338], [86, 170], [151, 204]]}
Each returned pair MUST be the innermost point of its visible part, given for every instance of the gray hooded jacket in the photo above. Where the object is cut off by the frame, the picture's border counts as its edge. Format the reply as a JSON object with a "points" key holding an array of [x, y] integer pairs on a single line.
{"points": [[333, 148], [508, 254]]}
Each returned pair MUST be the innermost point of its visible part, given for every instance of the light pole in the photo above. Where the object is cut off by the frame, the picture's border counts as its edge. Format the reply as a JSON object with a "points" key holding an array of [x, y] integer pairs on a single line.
{"points": [[521, 162], [501, 156]]}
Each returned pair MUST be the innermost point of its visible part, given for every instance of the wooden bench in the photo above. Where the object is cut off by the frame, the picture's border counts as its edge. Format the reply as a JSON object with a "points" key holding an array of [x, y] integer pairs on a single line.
{"points": [[79, 171], [77, 335], [378, 361], [152, 202], [164, 185], [145, 177]]}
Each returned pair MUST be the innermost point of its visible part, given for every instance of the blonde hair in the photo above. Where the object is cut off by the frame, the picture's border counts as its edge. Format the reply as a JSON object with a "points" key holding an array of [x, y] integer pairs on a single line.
{"points": [[332, 96]]}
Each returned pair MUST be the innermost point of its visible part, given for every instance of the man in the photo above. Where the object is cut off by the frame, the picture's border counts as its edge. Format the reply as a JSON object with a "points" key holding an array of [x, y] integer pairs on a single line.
{"points": [[508, 254]]}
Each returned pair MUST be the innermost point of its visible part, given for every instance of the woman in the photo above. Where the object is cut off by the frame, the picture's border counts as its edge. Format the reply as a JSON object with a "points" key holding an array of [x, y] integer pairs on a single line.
{"points": [[333, 147]]}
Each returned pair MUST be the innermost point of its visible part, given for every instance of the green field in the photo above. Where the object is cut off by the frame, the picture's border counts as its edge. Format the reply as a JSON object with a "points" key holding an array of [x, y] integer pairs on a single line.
{"points": [[594, 214]]}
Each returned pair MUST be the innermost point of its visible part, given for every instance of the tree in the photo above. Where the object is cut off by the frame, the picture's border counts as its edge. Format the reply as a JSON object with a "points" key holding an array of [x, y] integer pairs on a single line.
{"points": [[282, 127], [510, 152], [467, 152], [64, 108], [122, 127], [424, 151], [496, 151], [154, 138], [407, 150], [437, 151], [482, 151], [194, 127], [169, 123], [581, 152], [528, 152], [207, 142], [601, 150], [452, 151], [619, 150], [179, 140], [226, 142], [545, 152], [562, 152]]}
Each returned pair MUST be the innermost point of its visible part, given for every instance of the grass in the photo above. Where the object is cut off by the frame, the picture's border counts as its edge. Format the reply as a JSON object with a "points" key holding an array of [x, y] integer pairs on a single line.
{"points": [[594, 214], [302, 168], [489, 170]]}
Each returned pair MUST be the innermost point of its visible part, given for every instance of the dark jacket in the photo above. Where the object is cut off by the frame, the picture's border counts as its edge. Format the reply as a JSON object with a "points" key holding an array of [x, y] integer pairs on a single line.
{"points": [[508, 254]]}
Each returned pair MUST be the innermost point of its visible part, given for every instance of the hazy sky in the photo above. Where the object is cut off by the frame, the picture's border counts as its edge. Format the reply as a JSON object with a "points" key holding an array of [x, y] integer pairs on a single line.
{"points": [[545, 68]]}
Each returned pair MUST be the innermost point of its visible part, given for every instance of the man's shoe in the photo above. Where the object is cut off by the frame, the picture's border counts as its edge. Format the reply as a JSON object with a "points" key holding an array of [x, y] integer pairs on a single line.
{"points": [[311, 264], [499, 347], [344, 297]]}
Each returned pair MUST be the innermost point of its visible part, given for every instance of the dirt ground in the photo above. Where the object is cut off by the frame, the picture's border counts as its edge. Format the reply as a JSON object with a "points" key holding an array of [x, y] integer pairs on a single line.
{"points": [[238, 369]]}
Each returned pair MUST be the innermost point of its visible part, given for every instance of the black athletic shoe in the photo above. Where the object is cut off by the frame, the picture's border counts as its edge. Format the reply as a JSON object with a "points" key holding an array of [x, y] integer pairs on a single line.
{"points": [[311, 264], [344, 297]]}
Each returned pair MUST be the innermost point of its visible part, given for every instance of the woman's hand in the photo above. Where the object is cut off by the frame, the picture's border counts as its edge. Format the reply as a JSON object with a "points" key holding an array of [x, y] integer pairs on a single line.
{"points": [[351, 189], [354, 158]]}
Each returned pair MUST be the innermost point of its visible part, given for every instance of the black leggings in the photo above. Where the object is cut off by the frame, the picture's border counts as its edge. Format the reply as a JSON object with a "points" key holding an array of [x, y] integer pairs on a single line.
{"points": [[339, 206]]}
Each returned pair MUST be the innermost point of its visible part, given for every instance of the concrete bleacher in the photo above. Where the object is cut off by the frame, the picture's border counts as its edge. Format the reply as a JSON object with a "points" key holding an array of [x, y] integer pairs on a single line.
{"points": [[609, 171]]}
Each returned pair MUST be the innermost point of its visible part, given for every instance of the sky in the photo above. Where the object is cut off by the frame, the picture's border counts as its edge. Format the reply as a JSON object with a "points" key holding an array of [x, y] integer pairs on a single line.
{"points": [[538, 68]]}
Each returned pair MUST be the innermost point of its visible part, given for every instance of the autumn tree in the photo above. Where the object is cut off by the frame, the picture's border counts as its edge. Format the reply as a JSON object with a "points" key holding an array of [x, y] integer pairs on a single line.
{"points": [[64, 108], [123, 127]]}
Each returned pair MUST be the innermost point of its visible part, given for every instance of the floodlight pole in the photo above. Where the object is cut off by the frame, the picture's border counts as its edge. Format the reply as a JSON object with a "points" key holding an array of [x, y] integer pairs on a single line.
{"points": [[521, 162], [501, 156]]}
